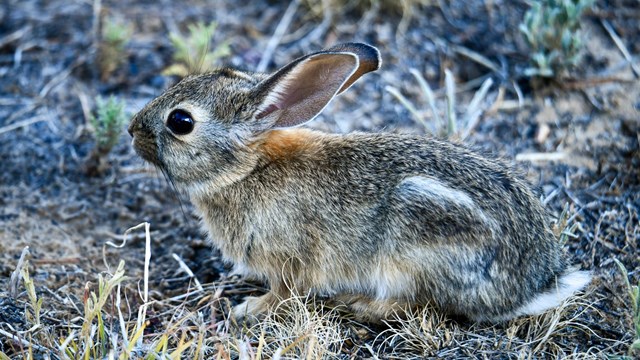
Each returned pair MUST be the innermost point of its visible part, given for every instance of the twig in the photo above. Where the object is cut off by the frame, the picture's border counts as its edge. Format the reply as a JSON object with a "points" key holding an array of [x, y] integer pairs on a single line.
{"points": [[142, 312], [8, 101], [551, 196], [450, 88], [16, 35], [497, 103], [462, 88], [23, 123], [55, 81], [448, 16], [277, 35], [581, 84], [428, 94], [480, 59], [518, 91], [15, 275], [124, 236], [572, 196], [23, 342], [623, 49], [472, 116], [84, 104], [186, 269], [617, 67], [551, 156], [365, 22], [123, 324]]}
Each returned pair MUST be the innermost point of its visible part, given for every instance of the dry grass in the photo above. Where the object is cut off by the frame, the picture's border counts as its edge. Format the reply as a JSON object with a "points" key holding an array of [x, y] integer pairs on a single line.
{"points": [[430, 334], [118, 320], [452, 126], [108, 324]]}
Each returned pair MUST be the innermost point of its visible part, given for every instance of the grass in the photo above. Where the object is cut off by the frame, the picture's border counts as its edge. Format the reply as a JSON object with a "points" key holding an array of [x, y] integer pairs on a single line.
{"points": [[114, 321], [192, 53], [634, 306], [102, 331], [452, 125], [32, 313], [551, 28], [307, 331]]}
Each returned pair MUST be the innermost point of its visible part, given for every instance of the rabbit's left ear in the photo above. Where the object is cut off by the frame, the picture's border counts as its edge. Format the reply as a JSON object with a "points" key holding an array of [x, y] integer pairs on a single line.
{"points": [[299, 91]]}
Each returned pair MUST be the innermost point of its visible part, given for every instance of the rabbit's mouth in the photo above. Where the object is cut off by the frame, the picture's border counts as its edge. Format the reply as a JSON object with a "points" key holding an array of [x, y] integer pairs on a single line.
{"points": [[147, 149]]}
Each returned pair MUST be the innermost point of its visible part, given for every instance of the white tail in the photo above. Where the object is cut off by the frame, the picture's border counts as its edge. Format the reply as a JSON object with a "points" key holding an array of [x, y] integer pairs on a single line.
{"points": [[569, 283]]}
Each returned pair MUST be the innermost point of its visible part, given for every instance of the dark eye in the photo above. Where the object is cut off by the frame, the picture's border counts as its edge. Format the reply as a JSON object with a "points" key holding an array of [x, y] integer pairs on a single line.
{"points": [[180, 122]]}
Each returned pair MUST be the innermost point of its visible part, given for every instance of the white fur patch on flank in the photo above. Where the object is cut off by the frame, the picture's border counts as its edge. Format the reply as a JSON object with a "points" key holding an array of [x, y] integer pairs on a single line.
{"points": [[568, 284], [438, 191]]}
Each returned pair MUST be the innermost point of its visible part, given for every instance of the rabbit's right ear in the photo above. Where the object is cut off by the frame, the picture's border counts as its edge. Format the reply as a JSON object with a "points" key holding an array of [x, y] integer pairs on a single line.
{"points": [[299, 91]]}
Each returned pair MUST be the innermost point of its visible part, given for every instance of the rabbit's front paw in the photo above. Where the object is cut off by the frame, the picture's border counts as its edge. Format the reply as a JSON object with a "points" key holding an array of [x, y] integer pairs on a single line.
{"points": [[253, 307]]}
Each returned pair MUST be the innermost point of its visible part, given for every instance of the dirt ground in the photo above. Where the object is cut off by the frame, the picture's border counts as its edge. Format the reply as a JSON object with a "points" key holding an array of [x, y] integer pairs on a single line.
{"points": [[587, 126]]}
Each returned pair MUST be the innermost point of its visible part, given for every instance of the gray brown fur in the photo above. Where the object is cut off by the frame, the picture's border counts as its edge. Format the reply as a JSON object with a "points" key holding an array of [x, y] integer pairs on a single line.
{"points": [[378, 221]]}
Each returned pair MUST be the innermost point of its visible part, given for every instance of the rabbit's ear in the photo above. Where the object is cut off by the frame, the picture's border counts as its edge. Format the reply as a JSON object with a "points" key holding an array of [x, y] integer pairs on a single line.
{"points": [[368, 57], [298, 92]]}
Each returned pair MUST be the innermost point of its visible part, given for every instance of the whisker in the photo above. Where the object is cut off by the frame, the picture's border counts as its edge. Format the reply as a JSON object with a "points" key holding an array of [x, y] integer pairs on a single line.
{"points": [[175, 191]]}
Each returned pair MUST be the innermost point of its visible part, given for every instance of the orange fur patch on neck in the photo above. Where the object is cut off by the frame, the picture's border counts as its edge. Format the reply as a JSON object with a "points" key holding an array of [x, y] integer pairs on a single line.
{"points": [[279, 144]]}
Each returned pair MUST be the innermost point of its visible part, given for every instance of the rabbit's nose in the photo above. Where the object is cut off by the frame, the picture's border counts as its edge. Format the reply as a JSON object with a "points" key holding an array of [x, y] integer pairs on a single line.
{"points": [[132, 127]]}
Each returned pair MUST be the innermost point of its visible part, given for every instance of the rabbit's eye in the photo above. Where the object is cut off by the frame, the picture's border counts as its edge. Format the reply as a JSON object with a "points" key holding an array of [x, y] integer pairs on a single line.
{"points": [[180, 122]]}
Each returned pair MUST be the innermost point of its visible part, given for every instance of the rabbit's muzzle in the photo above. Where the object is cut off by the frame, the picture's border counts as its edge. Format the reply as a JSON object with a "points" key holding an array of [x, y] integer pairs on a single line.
{"points": [[144, 143]]}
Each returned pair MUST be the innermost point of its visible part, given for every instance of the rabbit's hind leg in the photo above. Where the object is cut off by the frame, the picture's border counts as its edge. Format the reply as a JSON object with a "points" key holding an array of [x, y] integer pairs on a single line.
{"points": [[373, 310]]}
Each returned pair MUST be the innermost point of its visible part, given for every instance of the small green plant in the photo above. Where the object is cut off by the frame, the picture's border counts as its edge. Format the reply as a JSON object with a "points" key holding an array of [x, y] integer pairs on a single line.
{"points": [[32, 315], [441, 127], [111, 51], [108, 123], [634, 296], [192, 55], [551, 28], [107, 126]]}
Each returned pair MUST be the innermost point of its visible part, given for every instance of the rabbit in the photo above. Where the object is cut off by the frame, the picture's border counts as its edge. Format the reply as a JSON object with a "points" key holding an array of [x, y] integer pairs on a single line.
{"points": [[380, 222]]}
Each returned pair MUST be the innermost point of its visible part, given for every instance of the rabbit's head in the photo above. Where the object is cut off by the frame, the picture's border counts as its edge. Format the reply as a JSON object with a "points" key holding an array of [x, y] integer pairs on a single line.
{"points": [[202, 129]]}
